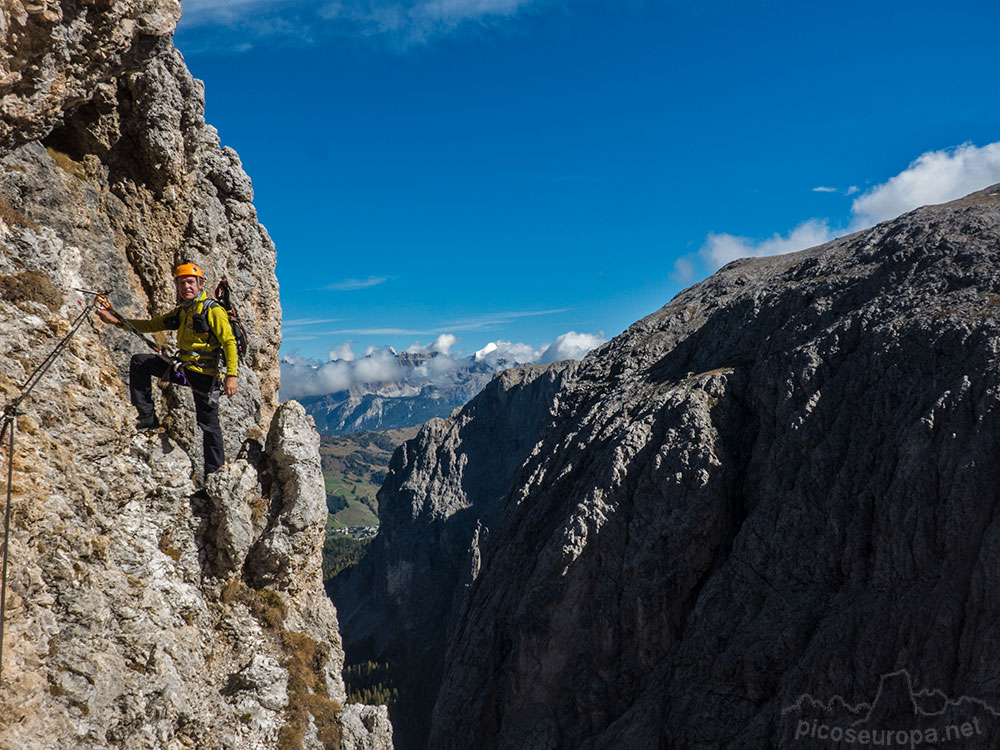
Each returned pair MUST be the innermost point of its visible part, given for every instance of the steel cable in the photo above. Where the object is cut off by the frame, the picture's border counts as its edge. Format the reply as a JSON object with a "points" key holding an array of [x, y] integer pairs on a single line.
{"points": [[10, 421]]}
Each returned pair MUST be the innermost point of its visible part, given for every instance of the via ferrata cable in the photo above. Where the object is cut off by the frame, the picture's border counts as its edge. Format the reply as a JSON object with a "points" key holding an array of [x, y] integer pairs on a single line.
{"points": [[10, 422]]}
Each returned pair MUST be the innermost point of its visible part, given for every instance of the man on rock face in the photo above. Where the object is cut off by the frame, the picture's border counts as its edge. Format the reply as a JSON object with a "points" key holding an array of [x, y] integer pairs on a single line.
{"points": [[203, 334]]}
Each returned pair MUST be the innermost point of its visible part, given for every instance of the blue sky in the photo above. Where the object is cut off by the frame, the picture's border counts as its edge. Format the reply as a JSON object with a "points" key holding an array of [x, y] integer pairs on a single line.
{"points": [[513, 170]]}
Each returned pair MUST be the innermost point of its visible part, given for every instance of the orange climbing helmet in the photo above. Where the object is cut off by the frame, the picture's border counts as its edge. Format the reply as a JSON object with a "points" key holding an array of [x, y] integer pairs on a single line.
{"points": [[188, 269]]}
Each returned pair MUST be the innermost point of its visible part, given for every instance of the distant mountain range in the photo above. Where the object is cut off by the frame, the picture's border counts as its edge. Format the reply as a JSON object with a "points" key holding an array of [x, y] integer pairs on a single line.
{"points": [[410, 399], [388, 390]]}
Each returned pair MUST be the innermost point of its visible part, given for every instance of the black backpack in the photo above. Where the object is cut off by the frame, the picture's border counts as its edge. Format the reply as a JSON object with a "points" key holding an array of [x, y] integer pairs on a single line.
{"points": [[223, 300]]}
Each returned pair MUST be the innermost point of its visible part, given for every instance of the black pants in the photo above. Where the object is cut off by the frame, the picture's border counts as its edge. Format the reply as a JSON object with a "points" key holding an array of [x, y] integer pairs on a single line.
{"points": [[144, 367]]}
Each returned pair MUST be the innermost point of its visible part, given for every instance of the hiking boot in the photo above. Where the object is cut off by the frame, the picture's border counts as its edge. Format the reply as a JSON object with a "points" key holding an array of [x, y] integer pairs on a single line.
{"points": [[148, 423]]}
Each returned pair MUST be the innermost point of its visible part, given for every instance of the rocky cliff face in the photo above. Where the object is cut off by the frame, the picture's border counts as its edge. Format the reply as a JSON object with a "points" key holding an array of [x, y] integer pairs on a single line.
{"points": [[781, 484], [443, 491], [141, 614]]}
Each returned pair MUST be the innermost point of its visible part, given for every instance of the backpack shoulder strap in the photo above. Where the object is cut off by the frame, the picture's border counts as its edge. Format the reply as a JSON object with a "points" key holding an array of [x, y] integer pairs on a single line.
{"points": [[207, 305], [172, 320]]}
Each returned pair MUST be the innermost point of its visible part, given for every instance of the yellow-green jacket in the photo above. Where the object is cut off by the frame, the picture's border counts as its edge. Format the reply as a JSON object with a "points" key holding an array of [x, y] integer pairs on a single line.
{"points": [[198, 350]]}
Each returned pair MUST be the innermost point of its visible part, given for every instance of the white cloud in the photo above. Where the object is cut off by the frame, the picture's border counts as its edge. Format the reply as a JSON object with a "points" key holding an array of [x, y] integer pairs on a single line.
{"points": [[722, 248], [491, 321], [436, 367], [684, 269], [445, 338], [442, 345], [350, 285], [382, 369], [378, 367], [239, 25], [343, 352], [822, 189], [300, 378], [571, 345], [497, 352], [935, 177], [415, 21], [308, 322], [402, 23], [196, 12], [453, 11], [376, 332]]}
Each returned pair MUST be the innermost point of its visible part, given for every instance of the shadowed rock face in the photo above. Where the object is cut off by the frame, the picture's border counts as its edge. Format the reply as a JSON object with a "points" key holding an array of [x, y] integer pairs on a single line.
{"points": [[783, 482], [442, 492]]}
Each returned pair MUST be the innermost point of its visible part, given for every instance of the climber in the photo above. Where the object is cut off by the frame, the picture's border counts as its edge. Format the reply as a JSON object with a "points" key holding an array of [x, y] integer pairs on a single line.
{"points": [[203, 334]]}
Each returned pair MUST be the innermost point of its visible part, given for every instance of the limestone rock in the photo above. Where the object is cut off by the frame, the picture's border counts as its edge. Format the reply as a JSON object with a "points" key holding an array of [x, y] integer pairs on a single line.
{"points": [[293, 448], [130, 620], [293, 541], [365, 728], [781, 484], [265, 682], [231, 491], [53, 53]]}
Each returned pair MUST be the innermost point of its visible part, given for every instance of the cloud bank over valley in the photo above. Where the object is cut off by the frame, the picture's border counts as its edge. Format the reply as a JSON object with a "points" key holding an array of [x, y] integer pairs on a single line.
{"points": [[387, 389], [385, 369]]}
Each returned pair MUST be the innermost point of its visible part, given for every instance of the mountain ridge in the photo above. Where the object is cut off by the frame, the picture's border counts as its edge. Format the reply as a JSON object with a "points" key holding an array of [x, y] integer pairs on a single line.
{"points": [[724, 507]]}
